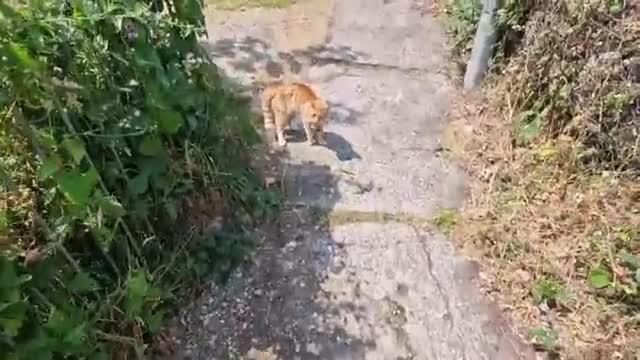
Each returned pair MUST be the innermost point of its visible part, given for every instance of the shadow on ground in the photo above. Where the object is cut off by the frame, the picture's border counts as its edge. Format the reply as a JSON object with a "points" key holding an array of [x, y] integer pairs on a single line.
{"points": [[255, 60], [247, 52], [275, 307], [339, 145], [333, 141]]}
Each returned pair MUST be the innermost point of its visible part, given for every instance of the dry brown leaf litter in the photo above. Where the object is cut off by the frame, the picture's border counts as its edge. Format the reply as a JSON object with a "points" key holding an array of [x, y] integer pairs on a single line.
{"points": [[546, 210]]}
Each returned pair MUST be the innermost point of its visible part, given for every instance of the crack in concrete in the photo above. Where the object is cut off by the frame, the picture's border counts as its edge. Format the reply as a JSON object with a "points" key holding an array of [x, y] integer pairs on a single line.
{"points": [[436, 280], [443, 294]]}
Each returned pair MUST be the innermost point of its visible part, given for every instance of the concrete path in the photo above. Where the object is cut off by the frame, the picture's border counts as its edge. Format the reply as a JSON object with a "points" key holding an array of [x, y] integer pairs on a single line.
{"points": [[354, 271]]}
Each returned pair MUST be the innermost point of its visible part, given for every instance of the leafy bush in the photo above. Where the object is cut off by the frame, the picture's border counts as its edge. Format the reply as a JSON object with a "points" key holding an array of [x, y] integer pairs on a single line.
{"points": [[110, 116], [576, 75]]}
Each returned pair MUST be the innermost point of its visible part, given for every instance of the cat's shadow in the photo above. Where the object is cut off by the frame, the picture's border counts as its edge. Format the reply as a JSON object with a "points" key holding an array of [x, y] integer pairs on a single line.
{"points": [[334, 142], [339, 145]]}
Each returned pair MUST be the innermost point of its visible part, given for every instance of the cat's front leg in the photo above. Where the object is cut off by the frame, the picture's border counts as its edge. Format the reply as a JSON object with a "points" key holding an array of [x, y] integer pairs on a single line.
{"points": [[322, 137], [309, 133]]}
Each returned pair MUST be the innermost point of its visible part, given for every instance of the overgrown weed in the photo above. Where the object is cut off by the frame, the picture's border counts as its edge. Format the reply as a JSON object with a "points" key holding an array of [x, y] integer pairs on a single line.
{"points": [[552, 145], [553, 238], [118, 145]]}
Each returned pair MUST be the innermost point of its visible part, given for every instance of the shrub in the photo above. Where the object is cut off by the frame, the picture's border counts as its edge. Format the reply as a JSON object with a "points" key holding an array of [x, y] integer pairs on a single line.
{"points": [[110, 116]]}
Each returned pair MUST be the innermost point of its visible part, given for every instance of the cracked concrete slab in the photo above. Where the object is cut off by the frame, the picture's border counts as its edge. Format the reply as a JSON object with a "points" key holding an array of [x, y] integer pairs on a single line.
{"points": [[356, 288]]}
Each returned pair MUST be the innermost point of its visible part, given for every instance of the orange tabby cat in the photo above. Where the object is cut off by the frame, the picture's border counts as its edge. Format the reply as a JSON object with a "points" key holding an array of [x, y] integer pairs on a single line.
{"points": [[280, 103]]}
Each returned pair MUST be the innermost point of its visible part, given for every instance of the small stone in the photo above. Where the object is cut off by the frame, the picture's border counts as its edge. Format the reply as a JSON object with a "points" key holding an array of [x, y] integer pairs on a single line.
{"points": [[258, 292]]}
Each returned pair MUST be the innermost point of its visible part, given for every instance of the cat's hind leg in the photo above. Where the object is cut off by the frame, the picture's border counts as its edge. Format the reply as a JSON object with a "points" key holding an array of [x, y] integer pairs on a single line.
{"points": [[281, 124]]}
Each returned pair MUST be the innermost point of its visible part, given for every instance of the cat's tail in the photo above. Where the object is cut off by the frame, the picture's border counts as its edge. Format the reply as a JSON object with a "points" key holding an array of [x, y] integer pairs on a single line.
{"points": [[267, 111]]}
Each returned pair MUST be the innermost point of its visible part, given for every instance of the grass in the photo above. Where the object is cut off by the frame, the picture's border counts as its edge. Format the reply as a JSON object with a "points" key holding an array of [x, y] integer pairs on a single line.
{"points": [[343, 217], [245, 4], [445, 220]]}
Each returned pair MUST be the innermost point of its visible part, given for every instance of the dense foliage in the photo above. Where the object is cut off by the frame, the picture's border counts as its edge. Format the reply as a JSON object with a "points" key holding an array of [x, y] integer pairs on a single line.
{"points": [[110, 117]]}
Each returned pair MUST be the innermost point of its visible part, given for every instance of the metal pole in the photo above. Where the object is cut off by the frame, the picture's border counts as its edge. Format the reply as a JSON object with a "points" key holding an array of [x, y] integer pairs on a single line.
{"points": [[483, 42]]}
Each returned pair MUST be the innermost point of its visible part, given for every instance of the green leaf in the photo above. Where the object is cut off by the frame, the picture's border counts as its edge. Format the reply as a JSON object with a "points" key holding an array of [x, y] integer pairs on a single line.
{"points": [[616, 7], [9, 278], [137, 284], [153, 166], [110, 206], [139, 184], [49, 167], [83, 282], [154, 321], [190, 11], [76, 337], [137, 289], [12, 317], [547, 338], [4, 221], [545, 290], [75, 148], [100, 356], [637, 277], [77, 187], [68, 329], [530, 131], [631, 261], [45, 138], [67, 325], [151, 146], [58, 322], [104, 236], [599, 277], [169, 121], [20, 54], [37, 348]]}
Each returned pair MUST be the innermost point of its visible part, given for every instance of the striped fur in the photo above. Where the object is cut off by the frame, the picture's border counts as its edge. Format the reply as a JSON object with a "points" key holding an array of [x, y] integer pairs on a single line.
{"points": [[280, 103], [267, 113]]}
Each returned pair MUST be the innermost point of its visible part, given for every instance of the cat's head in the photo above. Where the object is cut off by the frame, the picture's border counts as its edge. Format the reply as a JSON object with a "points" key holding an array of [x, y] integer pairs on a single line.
{"points": [[318, 111], [317, 114]]}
